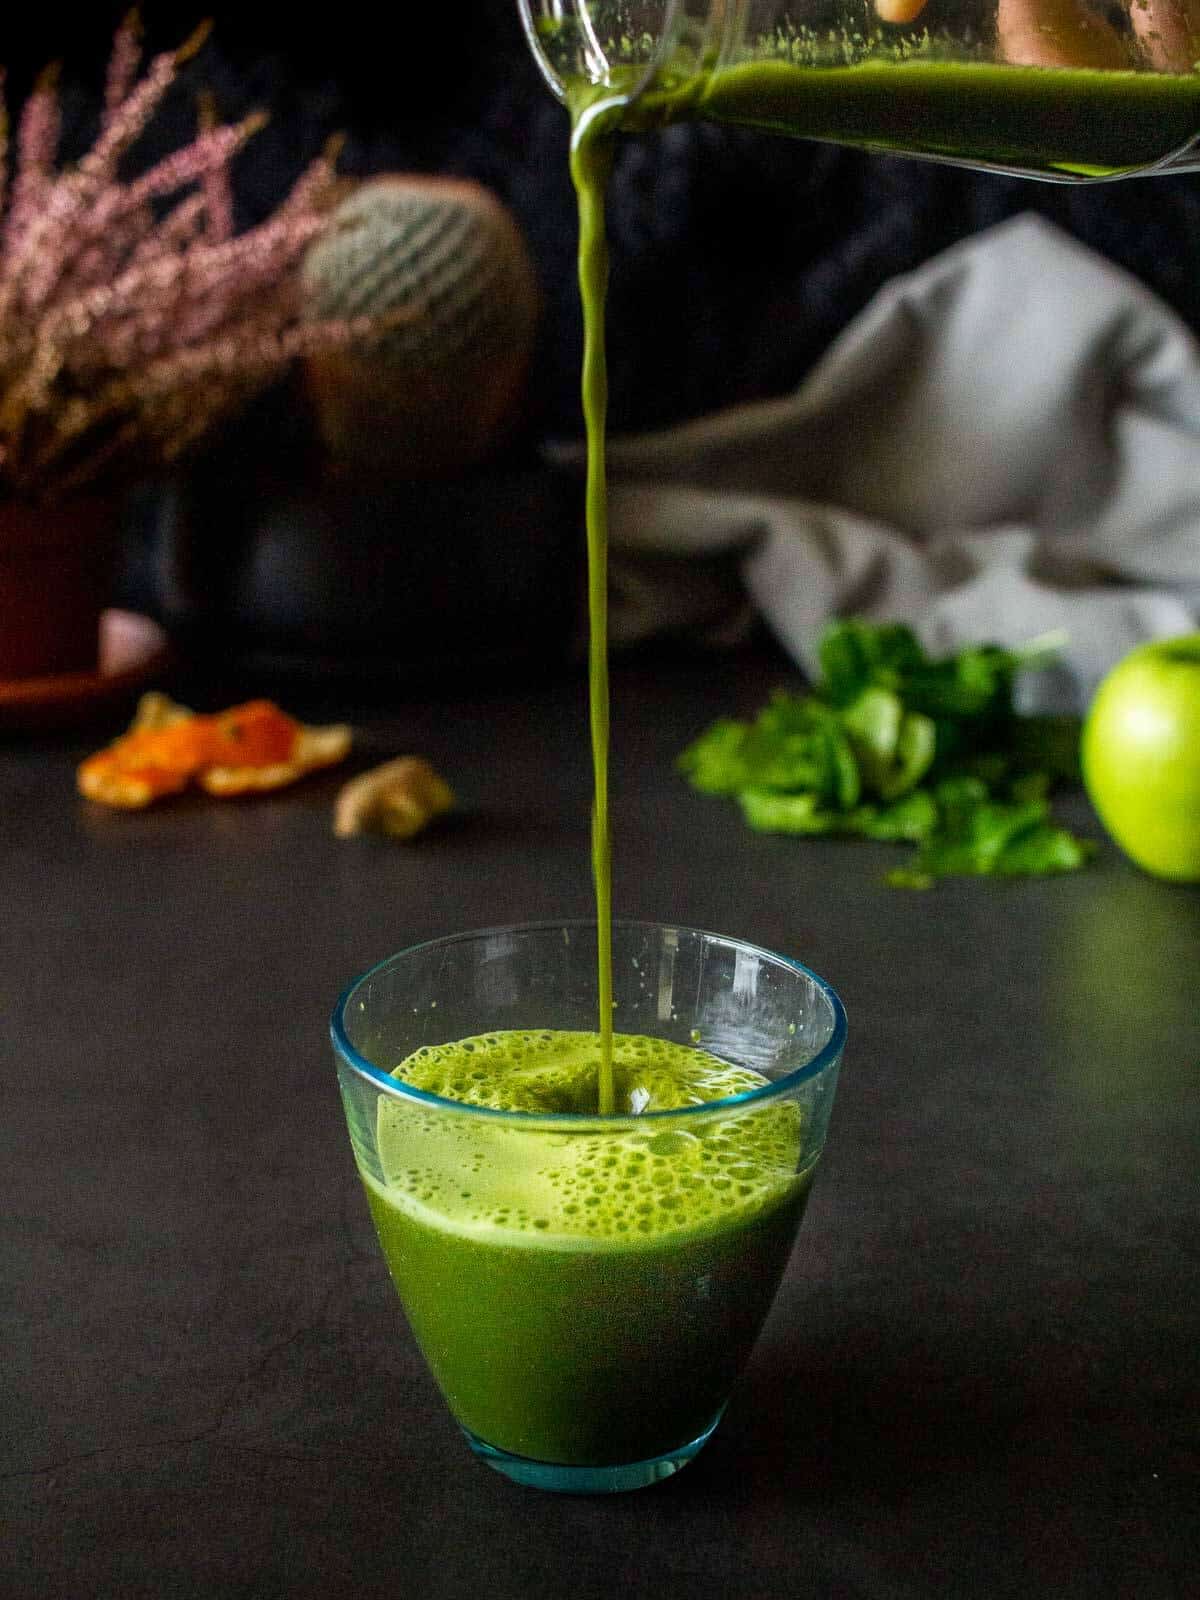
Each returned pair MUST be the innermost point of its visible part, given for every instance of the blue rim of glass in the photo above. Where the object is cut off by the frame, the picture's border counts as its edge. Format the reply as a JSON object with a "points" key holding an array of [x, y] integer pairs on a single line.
{"points": [[829, 1052]]}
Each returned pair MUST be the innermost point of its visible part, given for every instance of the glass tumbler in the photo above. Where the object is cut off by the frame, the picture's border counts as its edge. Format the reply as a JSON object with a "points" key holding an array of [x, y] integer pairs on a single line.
{"points": [[584, 1288]]}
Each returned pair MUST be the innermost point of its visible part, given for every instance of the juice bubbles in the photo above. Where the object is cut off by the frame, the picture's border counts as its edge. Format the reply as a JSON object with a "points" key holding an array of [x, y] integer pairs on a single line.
{"points": [[585, 1296]]}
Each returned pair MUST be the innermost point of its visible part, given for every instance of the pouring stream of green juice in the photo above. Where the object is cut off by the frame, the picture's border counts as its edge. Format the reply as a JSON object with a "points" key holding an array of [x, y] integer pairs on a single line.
{"points": [[1064, 90]]}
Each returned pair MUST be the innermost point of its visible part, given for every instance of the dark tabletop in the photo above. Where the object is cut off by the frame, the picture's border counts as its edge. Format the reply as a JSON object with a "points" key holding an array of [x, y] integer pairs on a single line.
{"points": [[980, 1377]]}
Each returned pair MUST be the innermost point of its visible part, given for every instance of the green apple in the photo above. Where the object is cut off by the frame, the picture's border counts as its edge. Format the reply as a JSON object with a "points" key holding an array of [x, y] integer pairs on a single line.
{"points": [[1141, 756]]}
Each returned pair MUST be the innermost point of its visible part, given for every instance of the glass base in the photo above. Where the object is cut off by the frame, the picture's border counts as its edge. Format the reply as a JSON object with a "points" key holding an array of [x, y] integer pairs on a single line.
{"points": [[563, 1479]]}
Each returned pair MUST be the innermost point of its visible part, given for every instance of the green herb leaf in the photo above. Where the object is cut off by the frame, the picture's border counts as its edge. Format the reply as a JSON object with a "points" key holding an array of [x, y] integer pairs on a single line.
{"points": [[874, 718], [895, 746], [1045, 849], [909, 878], [977, 835], [908, 820], [713, 763], [1046, 744], [768, 812], [855, 655]]}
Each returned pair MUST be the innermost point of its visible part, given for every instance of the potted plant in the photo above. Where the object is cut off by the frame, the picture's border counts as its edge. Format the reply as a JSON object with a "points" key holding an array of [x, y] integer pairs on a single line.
{"points": [[133, 317]]}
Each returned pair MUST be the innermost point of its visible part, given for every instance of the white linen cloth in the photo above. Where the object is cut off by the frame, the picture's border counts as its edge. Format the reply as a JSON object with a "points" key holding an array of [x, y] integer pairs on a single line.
{"points": [[1005, 443]]}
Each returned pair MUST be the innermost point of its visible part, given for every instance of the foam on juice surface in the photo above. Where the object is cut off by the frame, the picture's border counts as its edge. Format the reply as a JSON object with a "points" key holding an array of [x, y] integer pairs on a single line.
{"points": [[625, 1186]]}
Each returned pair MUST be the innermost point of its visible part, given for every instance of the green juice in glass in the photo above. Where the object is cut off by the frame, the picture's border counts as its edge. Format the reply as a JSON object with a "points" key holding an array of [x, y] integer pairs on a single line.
{"points": [[585, 1297]]}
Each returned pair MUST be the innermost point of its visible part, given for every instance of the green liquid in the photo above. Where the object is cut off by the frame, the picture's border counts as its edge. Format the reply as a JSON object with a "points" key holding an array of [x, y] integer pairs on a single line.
{"points": [[585, 1297], [1064, 121], [1067, 122], [591, 161], [1070, 122]]}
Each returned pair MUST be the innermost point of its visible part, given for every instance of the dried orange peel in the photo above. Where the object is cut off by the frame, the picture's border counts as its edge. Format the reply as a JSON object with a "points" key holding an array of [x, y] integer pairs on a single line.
{"points": [[247, 749]]}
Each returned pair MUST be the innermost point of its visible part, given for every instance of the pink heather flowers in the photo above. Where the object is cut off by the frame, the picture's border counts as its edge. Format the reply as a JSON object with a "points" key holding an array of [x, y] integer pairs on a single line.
{"points": [[132, 317]]}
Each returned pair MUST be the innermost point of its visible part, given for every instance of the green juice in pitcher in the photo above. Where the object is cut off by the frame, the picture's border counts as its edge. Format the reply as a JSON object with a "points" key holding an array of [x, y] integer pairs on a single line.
{"points": [[1068, 122], [1064, 89]]}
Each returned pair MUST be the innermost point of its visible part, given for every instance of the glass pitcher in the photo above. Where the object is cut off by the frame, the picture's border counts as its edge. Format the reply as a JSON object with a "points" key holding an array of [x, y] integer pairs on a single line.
{"points": [[1059, 89]]}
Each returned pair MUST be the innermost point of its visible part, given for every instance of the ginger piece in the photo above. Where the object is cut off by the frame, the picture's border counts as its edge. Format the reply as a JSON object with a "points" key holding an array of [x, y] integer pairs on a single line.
{"points": [[398, 798]]}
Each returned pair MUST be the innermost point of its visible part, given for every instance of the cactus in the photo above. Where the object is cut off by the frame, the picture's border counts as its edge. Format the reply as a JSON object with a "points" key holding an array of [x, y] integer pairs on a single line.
{"points": [[446, 265]]}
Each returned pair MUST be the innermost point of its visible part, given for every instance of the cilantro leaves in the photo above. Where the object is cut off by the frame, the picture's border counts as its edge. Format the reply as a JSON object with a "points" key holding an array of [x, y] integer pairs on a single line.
{"points": [[895, 746]]}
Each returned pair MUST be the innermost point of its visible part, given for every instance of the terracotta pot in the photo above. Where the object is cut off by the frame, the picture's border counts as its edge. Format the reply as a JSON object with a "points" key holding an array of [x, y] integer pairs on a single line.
{"points": [[56, 571]]}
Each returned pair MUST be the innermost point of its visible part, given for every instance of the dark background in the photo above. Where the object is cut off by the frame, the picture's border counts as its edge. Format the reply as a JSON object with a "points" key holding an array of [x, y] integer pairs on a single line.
{"points": [[737, 258]]}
